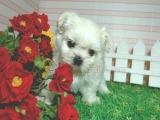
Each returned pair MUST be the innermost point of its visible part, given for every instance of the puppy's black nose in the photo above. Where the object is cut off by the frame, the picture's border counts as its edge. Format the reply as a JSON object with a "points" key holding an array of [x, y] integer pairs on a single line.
{"points": [[77, 61]]}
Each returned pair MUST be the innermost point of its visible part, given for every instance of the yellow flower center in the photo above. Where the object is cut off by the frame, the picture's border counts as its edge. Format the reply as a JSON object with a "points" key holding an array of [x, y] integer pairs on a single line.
{"points": [[24, 112], [44, 75], [39, 20], [23, 23], [28, 49], [64, 79], [46, 68], [17, 81]]}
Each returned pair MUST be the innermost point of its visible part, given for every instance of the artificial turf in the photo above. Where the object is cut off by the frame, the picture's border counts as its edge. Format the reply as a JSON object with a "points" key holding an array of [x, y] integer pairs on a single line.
{"points": [[125, 102]]}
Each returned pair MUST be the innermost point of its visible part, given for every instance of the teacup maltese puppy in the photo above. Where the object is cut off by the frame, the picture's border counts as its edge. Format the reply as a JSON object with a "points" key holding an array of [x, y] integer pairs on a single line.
{"points": [[83, 44]]}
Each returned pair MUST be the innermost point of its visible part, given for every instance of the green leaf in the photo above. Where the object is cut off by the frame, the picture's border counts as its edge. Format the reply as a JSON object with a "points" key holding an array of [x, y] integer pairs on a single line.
{"points": [[17, 109], [3, 37], [10, 43], [42, 64], [39, 62], [51, 113], [65, 94], [50, 77], [40, 104], [58, 100], [45, 118], [18, 37], [49, 110], [9, 38], [41, 115], [9, 46], [16, 43]]}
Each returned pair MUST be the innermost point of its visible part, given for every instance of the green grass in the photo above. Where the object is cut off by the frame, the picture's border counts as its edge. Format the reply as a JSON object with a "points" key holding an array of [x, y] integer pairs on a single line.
{"points": [[125, 102]]}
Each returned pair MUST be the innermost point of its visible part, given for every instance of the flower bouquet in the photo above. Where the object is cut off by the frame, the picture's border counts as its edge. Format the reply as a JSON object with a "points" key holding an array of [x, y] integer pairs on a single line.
{"points": [[25, 56]]}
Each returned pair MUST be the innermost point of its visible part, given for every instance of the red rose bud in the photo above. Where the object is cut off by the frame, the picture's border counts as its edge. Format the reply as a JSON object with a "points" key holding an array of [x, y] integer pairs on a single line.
{"points": [[24, 110], [45, 45], [40, 23], [62, 79], [23, 24], [15, 83], [66, 111], [10, 29], [4, 58], [27, 50]]}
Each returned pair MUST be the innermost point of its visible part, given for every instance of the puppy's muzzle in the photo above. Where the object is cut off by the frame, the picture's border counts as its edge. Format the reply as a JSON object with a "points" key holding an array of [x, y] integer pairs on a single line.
{"points": [[77, 61]]}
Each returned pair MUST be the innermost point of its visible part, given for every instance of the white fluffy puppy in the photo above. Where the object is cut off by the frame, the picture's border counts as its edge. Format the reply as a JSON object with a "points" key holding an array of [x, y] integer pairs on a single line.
{"points": [[82, 43]]}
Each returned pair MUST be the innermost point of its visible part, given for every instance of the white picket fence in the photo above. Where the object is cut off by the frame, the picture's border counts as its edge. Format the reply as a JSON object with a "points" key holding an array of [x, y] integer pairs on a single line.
{"points": [[137, 71]]}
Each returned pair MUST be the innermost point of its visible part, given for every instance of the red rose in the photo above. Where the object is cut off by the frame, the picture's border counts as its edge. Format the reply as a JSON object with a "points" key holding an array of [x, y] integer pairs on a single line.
{"points": [[0, 75], [1, 32], [40, 23], [66, 111], [27, 110], [15, 83], [3, 115], [27, 50], [45, 45], [4, 58], [62, 79], [23, 24]]}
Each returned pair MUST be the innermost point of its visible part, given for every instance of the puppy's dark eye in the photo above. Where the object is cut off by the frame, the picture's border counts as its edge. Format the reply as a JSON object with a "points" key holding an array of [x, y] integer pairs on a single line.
{"points": [[71, 44], [91, 52]]}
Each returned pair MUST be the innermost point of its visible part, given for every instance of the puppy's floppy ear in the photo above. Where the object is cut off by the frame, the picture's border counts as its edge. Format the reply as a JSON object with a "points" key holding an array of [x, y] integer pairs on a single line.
{"points": [[107, 40], [65, 20]]}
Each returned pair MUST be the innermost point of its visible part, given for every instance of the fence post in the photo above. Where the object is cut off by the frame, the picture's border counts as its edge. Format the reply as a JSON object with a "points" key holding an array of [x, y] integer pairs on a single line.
{"points": [[154, 81], [120, 64], [107, 71], [139, 49]]}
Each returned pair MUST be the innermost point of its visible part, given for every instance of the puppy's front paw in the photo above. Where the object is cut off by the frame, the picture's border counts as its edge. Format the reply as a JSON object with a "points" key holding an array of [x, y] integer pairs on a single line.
{"points": [[104, 90], [92, 100]]}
